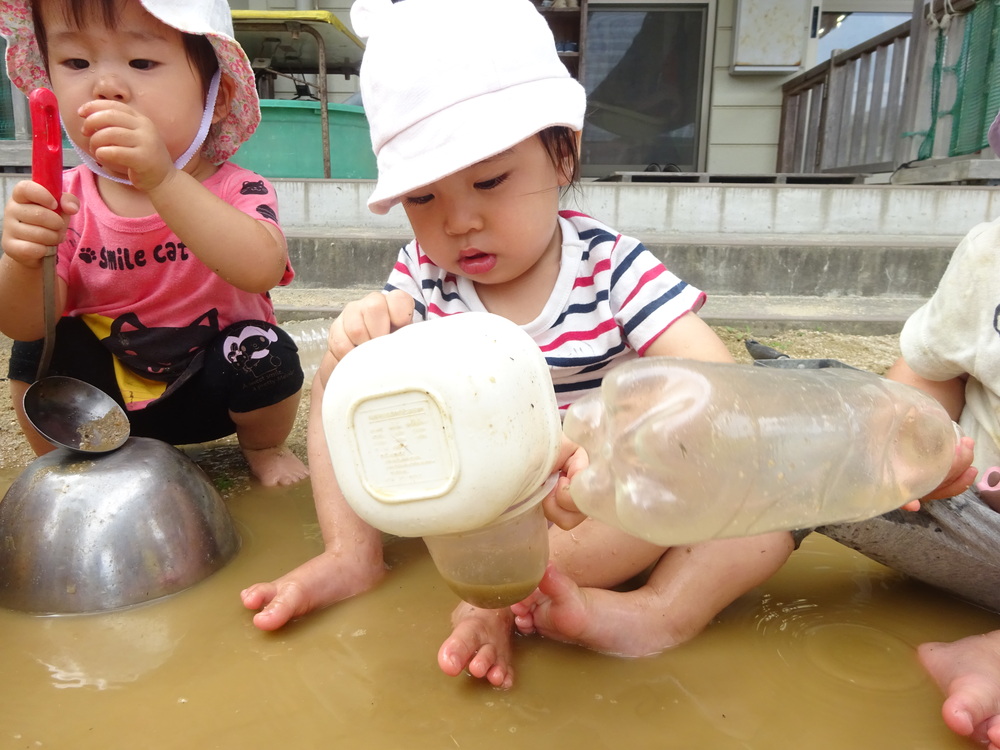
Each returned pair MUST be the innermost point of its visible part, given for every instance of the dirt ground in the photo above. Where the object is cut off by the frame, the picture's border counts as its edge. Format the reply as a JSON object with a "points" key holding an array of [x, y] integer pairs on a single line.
{"points": [[872, 353]]}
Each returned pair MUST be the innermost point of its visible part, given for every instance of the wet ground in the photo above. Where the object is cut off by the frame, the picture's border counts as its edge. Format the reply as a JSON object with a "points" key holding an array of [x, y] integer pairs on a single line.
{"points": [[821, 656]]}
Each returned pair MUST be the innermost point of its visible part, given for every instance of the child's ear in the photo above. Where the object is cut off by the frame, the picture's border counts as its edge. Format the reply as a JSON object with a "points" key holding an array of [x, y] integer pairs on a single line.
{"points": [[223, 101]]}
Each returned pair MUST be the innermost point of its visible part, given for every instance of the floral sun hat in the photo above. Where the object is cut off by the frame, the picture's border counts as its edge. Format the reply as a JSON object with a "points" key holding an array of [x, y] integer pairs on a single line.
{"points": [[209, 18]]}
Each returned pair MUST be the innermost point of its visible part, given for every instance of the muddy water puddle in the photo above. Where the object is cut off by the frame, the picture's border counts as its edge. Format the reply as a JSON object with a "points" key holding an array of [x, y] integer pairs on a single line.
{"points": [[822, 656]]}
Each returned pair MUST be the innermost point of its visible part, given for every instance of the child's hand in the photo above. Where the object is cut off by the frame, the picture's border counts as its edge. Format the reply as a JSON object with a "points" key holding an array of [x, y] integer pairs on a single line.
{"points": [[376, 315], [989, 487], [959, 479], [126, 144], [33, 222], [558, 505]]}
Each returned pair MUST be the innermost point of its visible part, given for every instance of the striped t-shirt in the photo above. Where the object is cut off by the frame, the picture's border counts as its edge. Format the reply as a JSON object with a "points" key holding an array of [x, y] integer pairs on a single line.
{"points": [[612, 299]]}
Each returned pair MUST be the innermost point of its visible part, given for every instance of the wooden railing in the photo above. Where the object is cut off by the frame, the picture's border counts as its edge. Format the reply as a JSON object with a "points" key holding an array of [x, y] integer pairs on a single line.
{"points": [[858, 111], [844, 114]]}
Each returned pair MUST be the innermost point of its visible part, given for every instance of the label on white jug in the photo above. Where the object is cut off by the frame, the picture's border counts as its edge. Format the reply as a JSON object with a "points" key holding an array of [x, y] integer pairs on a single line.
{"points": [[404, 446]]}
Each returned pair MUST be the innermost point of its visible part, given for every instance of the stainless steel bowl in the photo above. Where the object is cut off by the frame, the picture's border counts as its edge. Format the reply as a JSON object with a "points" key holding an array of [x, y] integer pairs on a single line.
{"points": [[96, 532]]}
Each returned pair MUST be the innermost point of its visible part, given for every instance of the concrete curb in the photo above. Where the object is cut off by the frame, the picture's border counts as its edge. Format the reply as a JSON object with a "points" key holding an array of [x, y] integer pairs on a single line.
{"points": [[765, 283], [757, 314], [855, 266]]}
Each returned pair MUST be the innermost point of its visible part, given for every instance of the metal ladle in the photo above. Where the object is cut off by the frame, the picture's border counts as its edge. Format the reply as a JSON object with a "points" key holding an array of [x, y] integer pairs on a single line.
{"points": [[67, 412]]}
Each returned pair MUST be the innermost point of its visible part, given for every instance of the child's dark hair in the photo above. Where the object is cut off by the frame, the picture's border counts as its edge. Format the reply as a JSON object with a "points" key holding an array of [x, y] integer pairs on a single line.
{"points": [[560, 144], [79, 12]]}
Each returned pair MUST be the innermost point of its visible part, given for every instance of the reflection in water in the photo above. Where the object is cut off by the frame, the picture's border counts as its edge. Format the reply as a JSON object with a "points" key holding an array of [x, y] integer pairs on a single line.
{"points": [[821, 656], [103, 651]]}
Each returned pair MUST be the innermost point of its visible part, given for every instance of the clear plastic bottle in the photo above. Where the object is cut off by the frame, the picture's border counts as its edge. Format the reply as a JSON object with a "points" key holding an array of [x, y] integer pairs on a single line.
{"points": [[310, 336], [683, 451]]}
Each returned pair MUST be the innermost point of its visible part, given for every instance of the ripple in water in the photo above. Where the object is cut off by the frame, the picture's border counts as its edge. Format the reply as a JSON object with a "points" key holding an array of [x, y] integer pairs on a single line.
{"points": [[823, 643], [863, 656]]}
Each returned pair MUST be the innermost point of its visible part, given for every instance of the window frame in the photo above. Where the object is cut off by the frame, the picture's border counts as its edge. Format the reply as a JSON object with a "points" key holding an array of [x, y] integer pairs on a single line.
{"points": [[707, 66]]}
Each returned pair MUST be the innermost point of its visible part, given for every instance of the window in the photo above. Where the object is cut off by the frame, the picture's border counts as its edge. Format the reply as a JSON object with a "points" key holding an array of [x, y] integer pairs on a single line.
{"points": [[645, 81], [842, 31]]}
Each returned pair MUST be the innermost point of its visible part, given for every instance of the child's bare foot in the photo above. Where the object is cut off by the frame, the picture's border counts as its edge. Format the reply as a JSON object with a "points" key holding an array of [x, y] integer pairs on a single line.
{"points": [[606, 621], [317, 583], [276, 466], [557, 609], [968, 672], [481, 643]]}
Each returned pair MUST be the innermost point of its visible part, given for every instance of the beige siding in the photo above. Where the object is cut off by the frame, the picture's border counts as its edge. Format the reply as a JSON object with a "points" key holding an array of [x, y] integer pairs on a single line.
{"points": [[741, 159], [744, 111], [733, 126]]}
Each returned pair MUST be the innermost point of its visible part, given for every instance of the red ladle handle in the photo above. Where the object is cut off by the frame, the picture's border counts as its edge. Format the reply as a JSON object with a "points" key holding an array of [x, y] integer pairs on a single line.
{"points": [[46, 141], [46, 170]]}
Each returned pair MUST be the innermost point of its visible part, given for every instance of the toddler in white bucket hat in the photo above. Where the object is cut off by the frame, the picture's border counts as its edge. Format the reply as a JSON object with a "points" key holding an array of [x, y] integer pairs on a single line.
{"points": [[449, 83], [166, 251], [474, 123]]}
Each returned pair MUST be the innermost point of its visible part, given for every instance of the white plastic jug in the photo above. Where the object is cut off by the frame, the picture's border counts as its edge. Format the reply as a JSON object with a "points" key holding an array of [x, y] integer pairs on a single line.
{"points": [[443, 425], [448, 430]]}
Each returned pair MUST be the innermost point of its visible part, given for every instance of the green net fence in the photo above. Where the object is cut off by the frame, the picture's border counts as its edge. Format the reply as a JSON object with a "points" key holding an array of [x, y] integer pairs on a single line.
{"points": [[976, 80], [6, 103]]}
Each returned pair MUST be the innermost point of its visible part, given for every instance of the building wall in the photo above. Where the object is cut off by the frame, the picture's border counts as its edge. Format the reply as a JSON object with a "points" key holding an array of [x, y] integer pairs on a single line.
{"points": [[743, 111]]}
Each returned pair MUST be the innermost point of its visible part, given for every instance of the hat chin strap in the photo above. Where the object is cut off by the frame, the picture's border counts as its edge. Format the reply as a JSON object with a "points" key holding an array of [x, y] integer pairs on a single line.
{"points": [[183, 159]]}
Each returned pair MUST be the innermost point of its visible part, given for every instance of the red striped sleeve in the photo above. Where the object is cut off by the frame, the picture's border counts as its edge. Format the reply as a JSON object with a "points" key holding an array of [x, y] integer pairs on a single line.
{"points": [[437, 312], [602, 266], [651, 274], [594, 333], [401, 267]]}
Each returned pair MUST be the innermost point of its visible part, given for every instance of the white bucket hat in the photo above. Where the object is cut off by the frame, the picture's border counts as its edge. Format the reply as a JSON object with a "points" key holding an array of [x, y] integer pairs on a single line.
{"points": [[448, 83], [209, 18]]}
